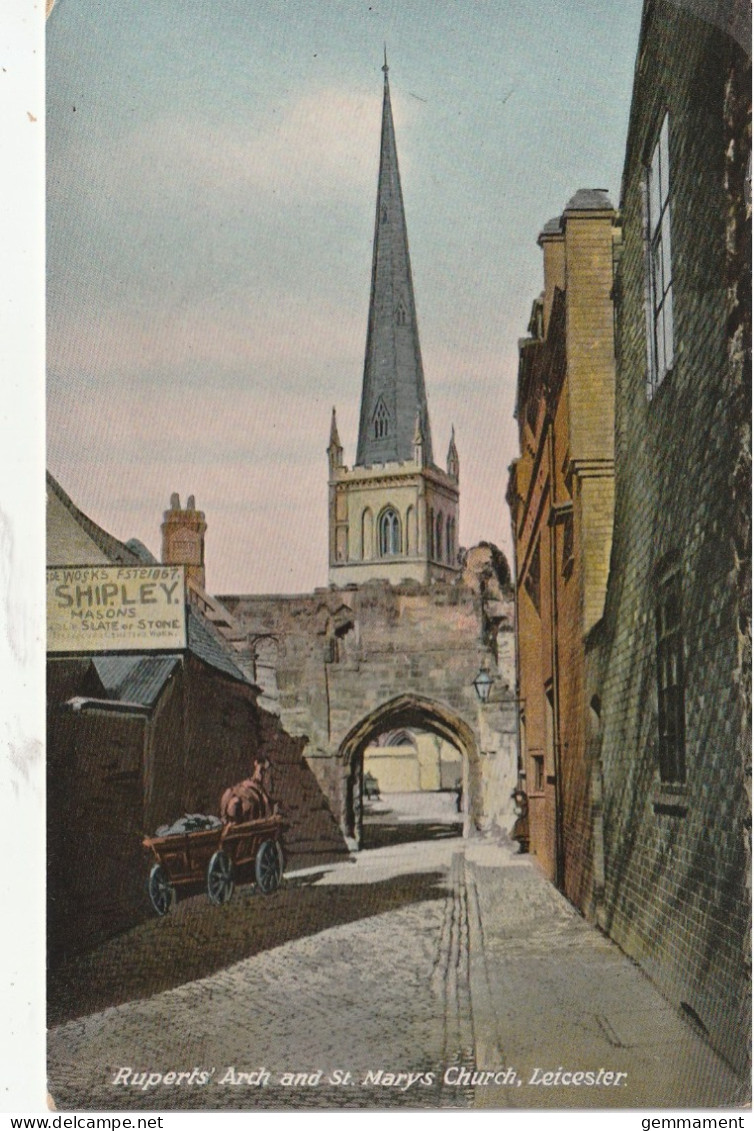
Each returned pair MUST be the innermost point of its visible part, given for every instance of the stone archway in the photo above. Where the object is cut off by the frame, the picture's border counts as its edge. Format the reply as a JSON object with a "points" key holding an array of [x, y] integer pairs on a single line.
{"points": [[417, 712], [353, 663]]}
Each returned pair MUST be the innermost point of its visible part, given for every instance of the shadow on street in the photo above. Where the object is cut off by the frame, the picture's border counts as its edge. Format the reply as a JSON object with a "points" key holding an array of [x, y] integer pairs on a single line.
{"points": [[196, 938], [384, 834]]}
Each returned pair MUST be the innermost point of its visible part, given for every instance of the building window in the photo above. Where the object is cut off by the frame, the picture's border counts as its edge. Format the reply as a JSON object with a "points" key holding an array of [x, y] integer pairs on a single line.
{"points": [[381, 420], [390, 534], [410, 531], [531, 581], [367, 535], [438, 537], [538, 784], [659, 264], [450, 537], [670, 690]]}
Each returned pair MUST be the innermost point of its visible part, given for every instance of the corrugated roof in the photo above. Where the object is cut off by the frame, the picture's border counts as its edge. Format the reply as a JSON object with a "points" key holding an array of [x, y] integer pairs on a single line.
{"points": [[135, 679]]}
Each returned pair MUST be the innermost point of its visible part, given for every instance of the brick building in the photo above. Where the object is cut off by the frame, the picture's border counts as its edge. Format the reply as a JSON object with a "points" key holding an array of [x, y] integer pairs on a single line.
{"points": [[669, 664], [561, 499], [137, 738]]}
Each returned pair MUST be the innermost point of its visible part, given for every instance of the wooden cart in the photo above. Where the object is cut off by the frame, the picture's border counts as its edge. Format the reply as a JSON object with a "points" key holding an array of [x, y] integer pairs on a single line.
{"points": [[216, 856]]}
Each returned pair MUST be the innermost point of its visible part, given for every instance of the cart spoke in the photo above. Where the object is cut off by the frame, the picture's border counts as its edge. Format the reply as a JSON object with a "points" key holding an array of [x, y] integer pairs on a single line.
{"points": [[220, 878], [268, 867], [161, 891]]}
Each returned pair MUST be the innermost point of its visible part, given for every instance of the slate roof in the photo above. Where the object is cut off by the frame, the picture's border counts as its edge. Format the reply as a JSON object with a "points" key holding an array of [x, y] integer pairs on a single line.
{"points": [[393, 392], [208, 646], [142, 553], [117, 552], [553, 227], [589, 200]]}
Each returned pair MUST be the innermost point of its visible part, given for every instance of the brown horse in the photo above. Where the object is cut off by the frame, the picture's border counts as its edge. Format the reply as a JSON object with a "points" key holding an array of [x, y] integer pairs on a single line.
{"points": [[247, 800]]}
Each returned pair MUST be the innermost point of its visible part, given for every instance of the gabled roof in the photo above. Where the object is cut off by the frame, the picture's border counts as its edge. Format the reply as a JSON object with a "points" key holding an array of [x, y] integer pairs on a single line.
{"points": [[117, 552]]}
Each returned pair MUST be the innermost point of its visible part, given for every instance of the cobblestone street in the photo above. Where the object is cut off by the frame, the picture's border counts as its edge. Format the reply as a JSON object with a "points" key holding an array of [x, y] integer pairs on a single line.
{"points": [[443, 957]]}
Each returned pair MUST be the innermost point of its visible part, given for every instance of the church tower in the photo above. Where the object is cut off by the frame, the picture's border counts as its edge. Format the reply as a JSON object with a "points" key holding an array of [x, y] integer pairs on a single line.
{"points": [[394, 515]]}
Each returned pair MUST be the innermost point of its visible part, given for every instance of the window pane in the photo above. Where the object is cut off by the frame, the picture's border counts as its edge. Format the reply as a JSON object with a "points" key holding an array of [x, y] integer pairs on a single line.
{"points": [[668, 329], [654, 191], [660, 368], [667, 274], [664, 161], [656, 275]]}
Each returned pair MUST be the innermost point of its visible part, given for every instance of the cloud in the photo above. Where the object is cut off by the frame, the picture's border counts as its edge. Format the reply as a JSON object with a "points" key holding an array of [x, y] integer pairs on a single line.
{"points": [[320, 145]]}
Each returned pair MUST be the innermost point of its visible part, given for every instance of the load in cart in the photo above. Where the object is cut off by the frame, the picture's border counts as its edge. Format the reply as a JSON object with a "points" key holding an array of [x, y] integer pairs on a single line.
{"points": [[246, 840]]}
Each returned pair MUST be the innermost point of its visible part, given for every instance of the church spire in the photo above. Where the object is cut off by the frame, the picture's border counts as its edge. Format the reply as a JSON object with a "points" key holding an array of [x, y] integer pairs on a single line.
{"points": [[334, 448], [453, 463], [393, 391]]}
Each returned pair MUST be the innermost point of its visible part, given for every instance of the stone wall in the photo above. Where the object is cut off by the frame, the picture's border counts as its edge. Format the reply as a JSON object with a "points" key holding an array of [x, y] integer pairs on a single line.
{"points": [[351, 663]]}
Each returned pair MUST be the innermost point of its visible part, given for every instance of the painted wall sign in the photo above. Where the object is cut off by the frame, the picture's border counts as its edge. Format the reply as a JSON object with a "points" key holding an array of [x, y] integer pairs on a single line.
{"points": [[116, 608]]}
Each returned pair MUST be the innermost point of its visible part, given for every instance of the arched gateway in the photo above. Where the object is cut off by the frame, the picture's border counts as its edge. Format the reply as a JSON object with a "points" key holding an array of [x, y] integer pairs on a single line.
{"points": [[355, 663], [412, 711]]}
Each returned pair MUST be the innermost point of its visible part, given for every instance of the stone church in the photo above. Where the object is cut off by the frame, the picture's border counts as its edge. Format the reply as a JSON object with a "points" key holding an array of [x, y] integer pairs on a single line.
{"points": [[394, 515], [410, 638], [398, 641]]}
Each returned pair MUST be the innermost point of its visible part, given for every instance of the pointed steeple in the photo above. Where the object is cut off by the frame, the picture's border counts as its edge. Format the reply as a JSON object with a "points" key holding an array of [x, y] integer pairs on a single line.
{"points": [[453, 464], [334, 448], [393, 390]]}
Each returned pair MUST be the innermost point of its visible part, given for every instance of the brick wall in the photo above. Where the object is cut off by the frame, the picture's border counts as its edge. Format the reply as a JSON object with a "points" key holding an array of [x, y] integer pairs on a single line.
{"points": [[676, 859], [562, 495]]}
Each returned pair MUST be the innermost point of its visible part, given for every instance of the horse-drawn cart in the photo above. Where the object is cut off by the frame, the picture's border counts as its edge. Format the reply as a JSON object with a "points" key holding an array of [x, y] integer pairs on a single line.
{"points": [[217, 855]]}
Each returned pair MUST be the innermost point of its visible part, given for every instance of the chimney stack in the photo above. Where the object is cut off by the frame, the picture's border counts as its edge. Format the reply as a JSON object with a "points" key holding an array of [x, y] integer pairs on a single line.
{"points": [[183, 538]]}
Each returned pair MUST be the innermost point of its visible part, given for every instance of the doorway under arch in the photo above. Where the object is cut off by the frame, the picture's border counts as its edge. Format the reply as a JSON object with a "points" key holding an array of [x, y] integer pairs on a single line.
{"points": [[411, 713]]}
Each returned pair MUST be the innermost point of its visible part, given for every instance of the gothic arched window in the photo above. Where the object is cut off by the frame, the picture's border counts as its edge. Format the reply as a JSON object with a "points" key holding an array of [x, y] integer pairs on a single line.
{"points": [[381, 420], [367, 536], [438, 537], [449, 540], [410, 531], [390, 533]]}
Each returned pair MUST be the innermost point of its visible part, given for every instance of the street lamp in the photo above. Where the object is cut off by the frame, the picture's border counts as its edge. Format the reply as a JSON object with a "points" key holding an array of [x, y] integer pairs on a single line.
{"points": [[482, 685]]}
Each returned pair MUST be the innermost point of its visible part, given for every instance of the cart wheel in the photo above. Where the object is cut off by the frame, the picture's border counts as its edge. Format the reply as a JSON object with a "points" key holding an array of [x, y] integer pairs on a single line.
{"points": [[220, 878], [268, 867], [161, 891]]}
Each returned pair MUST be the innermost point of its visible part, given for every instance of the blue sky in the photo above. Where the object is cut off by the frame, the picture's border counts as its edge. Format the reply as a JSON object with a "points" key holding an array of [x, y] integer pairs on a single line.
{"points": [[212, 174]]}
